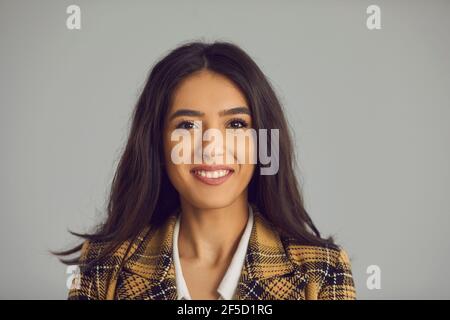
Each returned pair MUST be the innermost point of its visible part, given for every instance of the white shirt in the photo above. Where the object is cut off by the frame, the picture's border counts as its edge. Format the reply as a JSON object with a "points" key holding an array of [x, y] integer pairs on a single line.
{"points": [[230, 280]]}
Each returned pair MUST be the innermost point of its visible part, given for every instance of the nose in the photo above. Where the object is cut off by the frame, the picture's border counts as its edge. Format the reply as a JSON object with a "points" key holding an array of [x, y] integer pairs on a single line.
{"points": [[213, 149], [215, 156]]}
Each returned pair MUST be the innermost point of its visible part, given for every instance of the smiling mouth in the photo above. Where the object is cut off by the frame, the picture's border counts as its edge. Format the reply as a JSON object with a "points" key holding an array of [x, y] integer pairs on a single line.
{"points": [[212, 175]]}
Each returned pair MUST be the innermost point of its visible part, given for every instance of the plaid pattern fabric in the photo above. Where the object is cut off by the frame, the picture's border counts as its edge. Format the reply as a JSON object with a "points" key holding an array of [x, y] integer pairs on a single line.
{"points": [[275, 268]]}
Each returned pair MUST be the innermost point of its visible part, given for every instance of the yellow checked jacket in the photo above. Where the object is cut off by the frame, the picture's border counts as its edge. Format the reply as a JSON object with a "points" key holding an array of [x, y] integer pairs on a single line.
{"points": [[275, 268]]}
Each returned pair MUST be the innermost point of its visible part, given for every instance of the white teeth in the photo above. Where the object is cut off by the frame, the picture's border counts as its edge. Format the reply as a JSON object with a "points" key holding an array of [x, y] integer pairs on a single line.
{"points": [[212, 174]]}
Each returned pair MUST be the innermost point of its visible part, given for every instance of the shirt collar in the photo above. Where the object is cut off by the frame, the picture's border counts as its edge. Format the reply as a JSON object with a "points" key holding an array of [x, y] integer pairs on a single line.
{"points": [[231, 278]]}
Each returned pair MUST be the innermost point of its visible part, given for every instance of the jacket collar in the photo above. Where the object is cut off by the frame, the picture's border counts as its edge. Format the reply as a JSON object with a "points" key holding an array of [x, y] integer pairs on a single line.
{"points": [[151, 257]]}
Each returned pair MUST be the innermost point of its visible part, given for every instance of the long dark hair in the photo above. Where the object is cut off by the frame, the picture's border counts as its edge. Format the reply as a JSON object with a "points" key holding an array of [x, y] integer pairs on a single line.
{"points": [[141, 193]]}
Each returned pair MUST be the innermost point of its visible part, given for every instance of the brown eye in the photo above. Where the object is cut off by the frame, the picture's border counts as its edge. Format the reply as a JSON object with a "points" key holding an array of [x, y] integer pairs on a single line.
{"points": [[186, 125], [237, 124]]}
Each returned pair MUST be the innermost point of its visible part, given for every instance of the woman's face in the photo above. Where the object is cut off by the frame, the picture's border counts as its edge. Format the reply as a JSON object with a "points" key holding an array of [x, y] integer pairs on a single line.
{"points": [[208, 100]]}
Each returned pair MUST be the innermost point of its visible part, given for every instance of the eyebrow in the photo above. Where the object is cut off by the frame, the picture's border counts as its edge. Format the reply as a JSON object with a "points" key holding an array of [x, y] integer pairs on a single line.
{"points": [[196, 113]]}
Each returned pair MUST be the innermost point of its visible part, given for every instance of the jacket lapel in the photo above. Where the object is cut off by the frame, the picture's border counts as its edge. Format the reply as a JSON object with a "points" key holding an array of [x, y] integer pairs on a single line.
{"points": [[149, 274], [268, 273]]}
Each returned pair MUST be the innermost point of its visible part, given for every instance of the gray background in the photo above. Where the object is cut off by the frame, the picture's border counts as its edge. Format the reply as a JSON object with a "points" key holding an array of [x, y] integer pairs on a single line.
{"points": [[370, 111]]}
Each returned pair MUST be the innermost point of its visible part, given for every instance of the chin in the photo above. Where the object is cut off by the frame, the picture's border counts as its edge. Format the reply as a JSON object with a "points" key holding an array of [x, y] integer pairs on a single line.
{"points": [[211, 200]]}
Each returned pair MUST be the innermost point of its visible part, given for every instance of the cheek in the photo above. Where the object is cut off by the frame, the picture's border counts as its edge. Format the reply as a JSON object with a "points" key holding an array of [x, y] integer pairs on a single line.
{"points": [[180, 177], [179, 174], [243, 150], [246, 172], [172, 169]]}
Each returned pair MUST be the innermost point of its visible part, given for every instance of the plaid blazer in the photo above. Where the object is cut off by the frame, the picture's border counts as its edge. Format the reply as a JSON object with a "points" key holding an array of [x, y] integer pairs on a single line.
{"points": [[275, 268]]}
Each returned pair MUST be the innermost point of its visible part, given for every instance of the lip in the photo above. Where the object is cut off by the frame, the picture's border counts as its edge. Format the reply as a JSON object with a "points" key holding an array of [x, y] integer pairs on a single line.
{"points": [[212, 181]]}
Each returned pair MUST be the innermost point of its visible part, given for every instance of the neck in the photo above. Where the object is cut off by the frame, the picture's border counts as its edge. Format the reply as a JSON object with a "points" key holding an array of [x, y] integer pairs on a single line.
{"points": [[211, 235]]}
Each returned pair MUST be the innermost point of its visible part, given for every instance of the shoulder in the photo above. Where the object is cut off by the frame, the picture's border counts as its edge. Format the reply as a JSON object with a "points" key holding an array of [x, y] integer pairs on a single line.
{"points": [[99, 263], [91, 250], [316, 255], [100, 251], [327, 270]]}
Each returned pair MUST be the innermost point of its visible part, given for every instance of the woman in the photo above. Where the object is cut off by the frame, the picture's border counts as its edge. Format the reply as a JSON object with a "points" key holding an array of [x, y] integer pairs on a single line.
{"points": [[208, 229]]}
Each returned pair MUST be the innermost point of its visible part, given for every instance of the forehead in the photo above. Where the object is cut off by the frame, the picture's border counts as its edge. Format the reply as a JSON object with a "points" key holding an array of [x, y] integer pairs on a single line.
{"points": [[207, 91]]}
